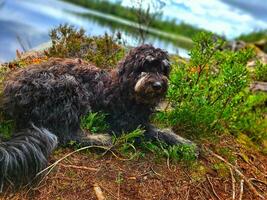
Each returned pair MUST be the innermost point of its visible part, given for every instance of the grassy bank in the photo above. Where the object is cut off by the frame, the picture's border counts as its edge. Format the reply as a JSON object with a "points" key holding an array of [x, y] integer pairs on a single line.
{"points": [[254, 36], [130, 14]]}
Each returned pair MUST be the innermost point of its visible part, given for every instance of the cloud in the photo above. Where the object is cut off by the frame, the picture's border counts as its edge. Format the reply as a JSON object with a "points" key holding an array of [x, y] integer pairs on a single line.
{"points": [[257, 8], [217, 16]]}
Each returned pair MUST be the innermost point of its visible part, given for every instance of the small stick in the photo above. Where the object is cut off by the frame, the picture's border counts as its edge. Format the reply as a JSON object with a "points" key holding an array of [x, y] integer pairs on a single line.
{"points": [[256, 180], [79, 167], [98, 192], [233, 182], [213, 190], [187, 194], [251, 187], [241, 189]]}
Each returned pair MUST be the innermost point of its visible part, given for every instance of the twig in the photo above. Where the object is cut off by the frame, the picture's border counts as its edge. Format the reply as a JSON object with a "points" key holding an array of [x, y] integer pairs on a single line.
{"points": [[206, 191], [241, 189], [213, 190], [79, 167], [256, 180], [233, 182], [98, 192], [251, 187], [50, 168], [155, 172], [187, 194]]}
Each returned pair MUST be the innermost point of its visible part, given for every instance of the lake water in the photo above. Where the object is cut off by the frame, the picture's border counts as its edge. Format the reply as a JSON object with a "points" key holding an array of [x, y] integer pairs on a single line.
{"points": [[25, 24]]}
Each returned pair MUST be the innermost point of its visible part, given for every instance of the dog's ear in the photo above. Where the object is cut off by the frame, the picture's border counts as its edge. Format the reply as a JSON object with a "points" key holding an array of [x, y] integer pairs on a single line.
{"points": [[166, 66]]}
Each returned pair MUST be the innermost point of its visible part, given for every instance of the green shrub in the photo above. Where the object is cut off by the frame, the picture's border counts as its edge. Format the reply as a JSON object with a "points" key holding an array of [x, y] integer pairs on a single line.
{"points": [[261, 72], [205, 92], [251, 119], [94, 122], [68, 42]]}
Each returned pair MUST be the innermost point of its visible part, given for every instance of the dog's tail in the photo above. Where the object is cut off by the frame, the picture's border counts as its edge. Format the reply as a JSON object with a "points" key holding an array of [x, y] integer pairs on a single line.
{"points": [[24, 155]]}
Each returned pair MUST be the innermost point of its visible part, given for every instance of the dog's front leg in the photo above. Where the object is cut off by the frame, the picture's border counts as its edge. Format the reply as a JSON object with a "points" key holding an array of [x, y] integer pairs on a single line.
{"points": [[167, 136]]}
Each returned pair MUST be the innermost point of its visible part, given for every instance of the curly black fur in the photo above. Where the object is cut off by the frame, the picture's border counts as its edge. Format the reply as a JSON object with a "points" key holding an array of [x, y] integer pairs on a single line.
{"points": [[54, 95]]}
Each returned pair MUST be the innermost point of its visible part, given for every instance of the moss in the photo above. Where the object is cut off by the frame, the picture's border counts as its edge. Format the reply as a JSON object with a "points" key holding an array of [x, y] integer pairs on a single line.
{"points": [[246, 142], [222, 169], [227, 153], [198, 171]]}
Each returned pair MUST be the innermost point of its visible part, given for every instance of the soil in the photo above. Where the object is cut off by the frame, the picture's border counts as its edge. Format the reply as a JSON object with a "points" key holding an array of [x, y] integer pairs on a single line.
{"points": [[151, 178]]}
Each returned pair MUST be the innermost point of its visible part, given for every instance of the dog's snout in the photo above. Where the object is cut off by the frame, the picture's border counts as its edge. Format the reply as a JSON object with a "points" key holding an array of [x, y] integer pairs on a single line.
{"points": [[157, 85]]}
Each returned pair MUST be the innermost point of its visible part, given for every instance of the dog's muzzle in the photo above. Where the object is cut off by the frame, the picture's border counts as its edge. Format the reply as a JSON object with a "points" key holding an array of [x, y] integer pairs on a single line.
{"points": [[150, 86]]}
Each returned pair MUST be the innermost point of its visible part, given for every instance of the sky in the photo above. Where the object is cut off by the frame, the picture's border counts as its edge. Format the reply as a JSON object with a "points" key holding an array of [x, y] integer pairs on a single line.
{"points": [[226, 17]]}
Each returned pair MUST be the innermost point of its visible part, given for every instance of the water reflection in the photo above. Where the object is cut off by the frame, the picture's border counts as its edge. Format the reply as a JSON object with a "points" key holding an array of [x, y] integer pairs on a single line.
{"points": [[27, 23]]}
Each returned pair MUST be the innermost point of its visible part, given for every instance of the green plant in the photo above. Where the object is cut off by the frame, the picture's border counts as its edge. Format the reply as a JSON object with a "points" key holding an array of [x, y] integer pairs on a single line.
{"points": [[204, 93], [181, 152], [69, 42], [126, 143], [95, 122], [261, 72], [251, 119], [6, 128], [133, 145], [104, 52]]}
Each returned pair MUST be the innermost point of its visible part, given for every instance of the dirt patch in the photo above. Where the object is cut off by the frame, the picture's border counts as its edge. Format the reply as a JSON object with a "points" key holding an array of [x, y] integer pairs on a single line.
{"points": [[152, 178]]}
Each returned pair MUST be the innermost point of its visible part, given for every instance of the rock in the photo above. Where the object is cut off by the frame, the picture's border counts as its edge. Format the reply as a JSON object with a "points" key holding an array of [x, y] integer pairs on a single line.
{"points": [[258, 86]]}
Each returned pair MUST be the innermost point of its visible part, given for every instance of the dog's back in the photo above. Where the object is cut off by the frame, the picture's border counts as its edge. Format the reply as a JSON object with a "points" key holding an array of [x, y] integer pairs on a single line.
{"points": [[46, 102], [47, 95]]}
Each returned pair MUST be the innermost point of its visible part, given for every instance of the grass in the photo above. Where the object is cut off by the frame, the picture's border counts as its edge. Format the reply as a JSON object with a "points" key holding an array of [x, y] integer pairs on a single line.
{"points": [[253, 36], [261, 72], [94, 122]]}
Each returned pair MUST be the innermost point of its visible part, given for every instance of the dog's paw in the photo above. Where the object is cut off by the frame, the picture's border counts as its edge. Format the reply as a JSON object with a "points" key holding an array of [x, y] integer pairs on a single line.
{"points": [[97, 140], [172, 138]]}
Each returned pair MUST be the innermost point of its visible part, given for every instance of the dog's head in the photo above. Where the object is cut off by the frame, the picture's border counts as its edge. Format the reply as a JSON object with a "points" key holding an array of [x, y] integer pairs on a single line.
{"points": [[145, 72]]}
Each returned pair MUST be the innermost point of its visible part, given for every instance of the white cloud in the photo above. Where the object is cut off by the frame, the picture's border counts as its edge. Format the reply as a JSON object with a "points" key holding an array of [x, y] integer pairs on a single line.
{"points": [[213, 15]]}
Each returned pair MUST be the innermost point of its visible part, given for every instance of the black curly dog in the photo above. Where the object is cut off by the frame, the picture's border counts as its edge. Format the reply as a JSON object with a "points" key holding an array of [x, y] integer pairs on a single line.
{"points": [[46, 102]]}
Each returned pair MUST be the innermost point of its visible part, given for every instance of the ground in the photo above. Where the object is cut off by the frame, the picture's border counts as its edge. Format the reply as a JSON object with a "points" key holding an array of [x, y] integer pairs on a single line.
{"points": [[80, 175]]}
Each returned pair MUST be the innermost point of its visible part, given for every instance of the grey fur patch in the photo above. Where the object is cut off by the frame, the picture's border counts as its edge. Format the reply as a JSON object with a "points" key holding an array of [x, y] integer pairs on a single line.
{"points": [[100, 139], [139, 83], [166, 62], [25, 155], [150, 58]]}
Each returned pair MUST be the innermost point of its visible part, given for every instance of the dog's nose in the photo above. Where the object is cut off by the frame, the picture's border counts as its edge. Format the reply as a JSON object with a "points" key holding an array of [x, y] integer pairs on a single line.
{"points": [[157, 85]]}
